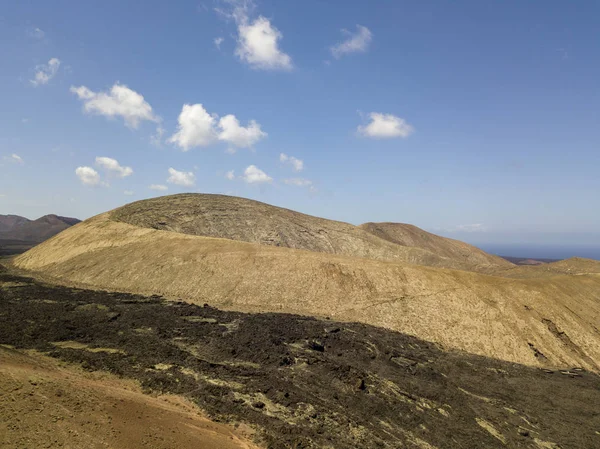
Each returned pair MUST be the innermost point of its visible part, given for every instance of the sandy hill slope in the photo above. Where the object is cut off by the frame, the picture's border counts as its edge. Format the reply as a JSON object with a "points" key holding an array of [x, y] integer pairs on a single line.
{"points": [[543, 321], [14, 227], [412, 236], [572, 267], [251, 221], [44, 404]]}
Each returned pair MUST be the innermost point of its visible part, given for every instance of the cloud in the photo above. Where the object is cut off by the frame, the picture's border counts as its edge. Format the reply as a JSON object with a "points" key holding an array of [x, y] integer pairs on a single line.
{"points": [[128, 192], [230, 175], [180, 178], [196, 128], [476, 227], [385, 126], [356, 42], [17, 158], [234, 134], [14, 158], [297, 164], [156, 138], [159, 187], [45, 72], [88, 176], [254, 175], [258, 45], [299, 182], [120, 101], [218, 41], [258, 40], [37, 33], [113, 168]]}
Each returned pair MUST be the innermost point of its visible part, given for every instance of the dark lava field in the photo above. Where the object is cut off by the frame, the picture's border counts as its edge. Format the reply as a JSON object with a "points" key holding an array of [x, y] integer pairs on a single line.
{"points": [[304, 382]]}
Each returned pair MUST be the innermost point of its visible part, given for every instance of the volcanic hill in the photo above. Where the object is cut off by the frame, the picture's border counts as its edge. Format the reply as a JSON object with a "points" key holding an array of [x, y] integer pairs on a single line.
{"points": [[18, 234], [243, 255]]}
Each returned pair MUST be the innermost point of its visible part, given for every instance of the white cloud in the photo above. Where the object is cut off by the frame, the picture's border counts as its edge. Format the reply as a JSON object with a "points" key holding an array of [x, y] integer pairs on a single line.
{"points": [[230, 175], [196, 128], [258, 45], [234, 134], [159, 187], [258, 40], [254, 175], [475, 227], [14, 158], [88, 176], [113, 167], [120, 101], [300, 182], [37, 33], [181, 178], [297, 164], [356, 42], [2, 195], [128, 192], [45, 72], [218, 41], [385, 126], [156, 138]]}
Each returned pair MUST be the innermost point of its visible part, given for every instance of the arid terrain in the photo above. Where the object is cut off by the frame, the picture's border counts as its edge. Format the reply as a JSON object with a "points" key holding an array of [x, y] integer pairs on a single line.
{"points": [[292, 331], [46, 403], [538, 315], [284, 380]]}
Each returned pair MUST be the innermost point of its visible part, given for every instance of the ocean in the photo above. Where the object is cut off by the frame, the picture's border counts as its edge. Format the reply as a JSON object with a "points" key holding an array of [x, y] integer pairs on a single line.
{"points": [[543, 251]]}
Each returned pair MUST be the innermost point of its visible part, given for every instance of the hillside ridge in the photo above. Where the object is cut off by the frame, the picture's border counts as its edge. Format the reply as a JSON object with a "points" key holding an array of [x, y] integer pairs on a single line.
{"points": [[520, 314], [222, 216]]}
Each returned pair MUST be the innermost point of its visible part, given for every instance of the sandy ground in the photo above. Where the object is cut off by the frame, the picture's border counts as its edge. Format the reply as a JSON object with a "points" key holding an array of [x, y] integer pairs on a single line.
{"points": [[48, 404]]}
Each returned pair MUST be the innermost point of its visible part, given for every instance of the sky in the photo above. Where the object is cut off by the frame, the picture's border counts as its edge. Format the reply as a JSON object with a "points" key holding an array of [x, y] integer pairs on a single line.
{"points": [[474, 120]]}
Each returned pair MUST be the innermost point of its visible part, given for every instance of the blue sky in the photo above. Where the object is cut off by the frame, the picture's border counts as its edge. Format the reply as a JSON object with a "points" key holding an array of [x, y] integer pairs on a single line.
{"points": [[476, 120]]}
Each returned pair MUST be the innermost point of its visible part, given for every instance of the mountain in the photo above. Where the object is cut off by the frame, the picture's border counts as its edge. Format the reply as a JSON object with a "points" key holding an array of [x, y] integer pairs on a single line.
{"points": [[14, 227], [411, 236], [8, 222], [542, 316], [245, 220], [18, 234]]}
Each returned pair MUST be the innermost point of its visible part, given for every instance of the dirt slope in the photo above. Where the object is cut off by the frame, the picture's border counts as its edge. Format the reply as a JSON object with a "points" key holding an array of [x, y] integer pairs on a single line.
{"points": [[299, 382], [538, 321], [251, 221], [46, 404], [411, 236]]}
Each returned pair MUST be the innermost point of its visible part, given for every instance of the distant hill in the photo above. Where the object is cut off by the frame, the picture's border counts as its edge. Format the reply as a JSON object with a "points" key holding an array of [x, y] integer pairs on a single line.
{"points": [[412, 236], [251, 221], [528, 260], [244, 255], [9, 222], [18, 234]]}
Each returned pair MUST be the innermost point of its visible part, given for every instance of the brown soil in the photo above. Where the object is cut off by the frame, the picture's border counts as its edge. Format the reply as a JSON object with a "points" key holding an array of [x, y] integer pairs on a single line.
{"points": [[45, 404], [301, 382]]}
